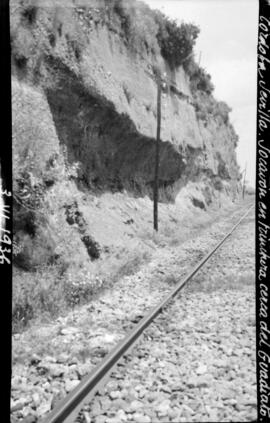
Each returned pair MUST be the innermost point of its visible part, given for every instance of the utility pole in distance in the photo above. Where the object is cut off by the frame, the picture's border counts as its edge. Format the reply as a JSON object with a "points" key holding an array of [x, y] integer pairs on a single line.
{"points": [[244, 181]]}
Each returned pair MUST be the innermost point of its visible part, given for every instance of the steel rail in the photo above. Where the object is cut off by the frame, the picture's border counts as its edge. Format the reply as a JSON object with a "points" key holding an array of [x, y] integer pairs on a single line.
{"points": [[91, 383]]}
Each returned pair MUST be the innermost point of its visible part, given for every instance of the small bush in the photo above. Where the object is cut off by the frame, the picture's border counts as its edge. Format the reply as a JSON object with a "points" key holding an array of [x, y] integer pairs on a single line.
{"points": [[176, 41], [205, 105], [222, 110], [29, 15], [151, 31], [93, 248], [75, 217], [199, 78], [198, 203]]}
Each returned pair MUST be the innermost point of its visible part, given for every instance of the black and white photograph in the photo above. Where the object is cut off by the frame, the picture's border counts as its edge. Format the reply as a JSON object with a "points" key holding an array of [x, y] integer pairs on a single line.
{"points": [[136, 136]]}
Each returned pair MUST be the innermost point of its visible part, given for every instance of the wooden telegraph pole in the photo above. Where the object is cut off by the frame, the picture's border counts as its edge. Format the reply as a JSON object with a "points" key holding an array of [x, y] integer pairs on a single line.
{"points": [[156, 176], [162, 83]]}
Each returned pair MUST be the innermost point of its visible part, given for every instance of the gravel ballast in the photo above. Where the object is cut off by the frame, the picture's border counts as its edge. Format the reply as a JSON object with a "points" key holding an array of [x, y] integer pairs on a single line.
{"points": [[195, 363]]}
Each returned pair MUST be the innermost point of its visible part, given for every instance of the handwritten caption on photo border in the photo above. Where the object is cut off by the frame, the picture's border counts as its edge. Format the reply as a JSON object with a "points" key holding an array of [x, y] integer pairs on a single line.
{"points": [[263, 214]]}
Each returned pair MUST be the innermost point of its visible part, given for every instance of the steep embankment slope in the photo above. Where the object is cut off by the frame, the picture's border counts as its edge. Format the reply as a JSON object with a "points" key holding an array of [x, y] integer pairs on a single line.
{"points": [[102, 98], [84, 123]]}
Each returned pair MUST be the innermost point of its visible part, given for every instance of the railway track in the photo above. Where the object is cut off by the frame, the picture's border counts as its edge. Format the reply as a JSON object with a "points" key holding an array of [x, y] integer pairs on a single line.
{"points": [[67, 410]]}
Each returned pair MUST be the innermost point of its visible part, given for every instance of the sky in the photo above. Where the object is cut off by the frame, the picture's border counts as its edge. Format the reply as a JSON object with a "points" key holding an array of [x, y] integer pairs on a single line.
{"points": [[227, 47]]}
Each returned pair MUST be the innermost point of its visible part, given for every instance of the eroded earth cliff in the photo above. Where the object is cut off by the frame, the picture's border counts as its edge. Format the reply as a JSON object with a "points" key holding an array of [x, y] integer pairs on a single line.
{"points": [[84, 127]]}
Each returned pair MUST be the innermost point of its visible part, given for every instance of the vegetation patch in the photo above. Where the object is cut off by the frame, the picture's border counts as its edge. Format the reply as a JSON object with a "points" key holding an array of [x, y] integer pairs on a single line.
{"points": [[207, 107], [93, 248], [198, 203], [75, 217], [29, 14], [34, 243], [35, 294], [200, 80], [222, 168], [150, 30], [52, 290], [176, 41]]}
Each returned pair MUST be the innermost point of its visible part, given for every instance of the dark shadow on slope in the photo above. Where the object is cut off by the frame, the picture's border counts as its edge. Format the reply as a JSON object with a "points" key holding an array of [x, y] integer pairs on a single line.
{"points": [[113, 154]]}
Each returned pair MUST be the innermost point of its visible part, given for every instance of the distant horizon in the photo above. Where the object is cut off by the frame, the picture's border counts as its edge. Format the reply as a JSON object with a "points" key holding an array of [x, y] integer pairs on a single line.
{"points": [[232, 66]]}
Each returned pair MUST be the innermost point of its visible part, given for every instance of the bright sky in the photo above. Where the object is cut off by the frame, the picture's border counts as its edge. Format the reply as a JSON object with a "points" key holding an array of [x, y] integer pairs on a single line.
{"points": [[228, 46]]}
